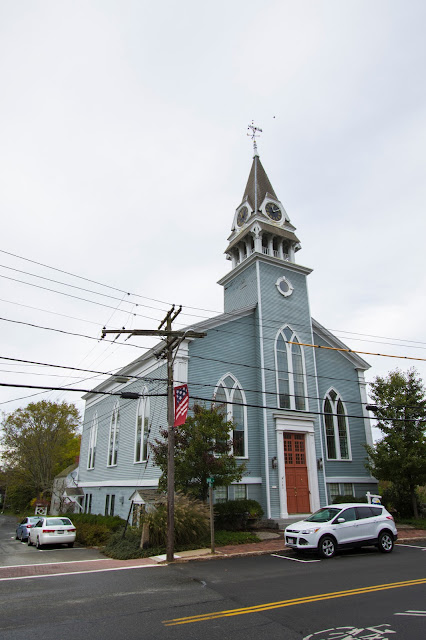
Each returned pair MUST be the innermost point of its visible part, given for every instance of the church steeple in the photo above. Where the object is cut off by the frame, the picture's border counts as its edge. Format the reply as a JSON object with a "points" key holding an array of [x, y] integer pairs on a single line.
{"points": [[261, 224], [258, 185]]}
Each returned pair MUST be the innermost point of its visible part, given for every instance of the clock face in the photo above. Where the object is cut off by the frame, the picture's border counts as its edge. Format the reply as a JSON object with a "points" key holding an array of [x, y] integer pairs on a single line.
{"points": [[242, 216], [273, 211]]}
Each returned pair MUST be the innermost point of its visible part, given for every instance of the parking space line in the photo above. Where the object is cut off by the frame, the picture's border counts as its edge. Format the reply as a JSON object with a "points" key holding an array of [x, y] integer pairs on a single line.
{"points": [[275, 555], [412, 546], [412, 612]]}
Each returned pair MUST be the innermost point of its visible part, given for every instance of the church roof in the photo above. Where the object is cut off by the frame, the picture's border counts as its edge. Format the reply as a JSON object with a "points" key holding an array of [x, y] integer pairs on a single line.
{"points": [[258, 185]]}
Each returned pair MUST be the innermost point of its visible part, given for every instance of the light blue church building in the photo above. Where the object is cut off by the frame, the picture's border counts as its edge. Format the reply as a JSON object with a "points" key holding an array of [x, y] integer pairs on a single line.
{"points": [[299, 413]]}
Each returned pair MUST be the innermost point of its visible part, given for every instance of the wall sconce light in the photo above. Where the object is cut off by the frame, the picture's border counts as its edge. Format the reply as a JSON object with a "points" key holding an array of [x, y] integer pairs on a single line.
{"points": [[121, 499], [274, 462], [320, 464]]}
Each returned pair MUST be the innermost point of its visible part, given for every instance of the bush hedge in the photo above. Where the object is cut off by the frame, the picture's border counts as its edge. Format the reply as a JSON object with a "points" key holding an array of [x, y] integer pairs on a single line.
{"points": [[237, 515], [93, 530]]}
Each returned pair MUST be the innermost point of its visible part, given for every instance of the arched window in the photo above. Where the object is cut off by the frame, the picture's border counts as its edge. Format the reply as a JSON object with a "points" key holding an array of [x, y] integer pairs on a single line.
{"points": [[93, 435], [230, 400], [290, 365], [114, 431], [142, 429], [336, 427]]}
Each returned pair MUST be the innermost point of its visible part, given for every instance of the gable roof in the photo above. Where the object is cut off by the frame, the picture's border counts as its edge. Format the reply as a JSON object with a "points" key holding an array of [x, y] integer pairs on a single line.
{"points": [[209, 323], [332, 341]]}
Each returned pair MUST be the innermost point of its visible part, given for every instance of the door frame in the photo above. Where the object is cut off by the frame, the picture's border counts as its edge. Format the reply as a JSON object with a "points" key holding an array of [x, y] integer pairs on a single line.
{"points": [[294, 423]]}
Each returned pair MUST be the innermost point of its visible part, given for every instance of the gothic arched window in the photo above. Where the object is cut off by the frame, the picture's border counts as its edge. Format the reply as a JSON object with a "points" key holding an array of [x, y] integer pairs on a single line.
{"points": [[93, 436], [114, 431], [230, 400], [336, 427], [290, 365], [142, 429]]}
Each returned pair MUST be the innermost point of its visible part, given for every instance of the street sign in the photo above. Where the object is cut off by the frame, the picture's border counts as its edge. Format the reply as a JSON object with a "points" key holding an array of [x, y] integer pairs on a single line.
{"points": [[210, 481]]}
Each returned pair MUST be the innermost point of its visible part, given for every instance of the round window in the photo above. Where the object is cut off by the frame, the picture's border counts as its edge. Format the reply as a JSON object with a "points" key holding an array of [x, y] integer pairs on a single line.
{"points": [[284, 286]]}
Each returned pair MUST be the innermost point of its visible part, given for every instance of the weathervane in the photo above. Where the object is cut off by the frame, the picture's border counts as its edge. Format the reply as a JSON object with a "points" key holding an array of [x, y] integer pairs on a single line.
{"points": [[255, 131]]}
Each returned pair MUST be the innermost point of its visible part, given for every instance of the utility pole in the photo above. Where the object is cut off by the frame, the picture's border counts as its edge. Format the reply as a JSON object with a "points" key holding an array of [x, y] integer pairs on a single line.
{"points": [[173, 341]]}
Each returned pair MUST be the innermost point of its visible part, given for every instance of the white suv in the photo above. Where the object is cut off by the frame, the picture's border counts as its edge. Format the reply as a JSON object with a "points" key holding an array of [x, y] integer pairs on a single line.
{"points": [[343, 525]]}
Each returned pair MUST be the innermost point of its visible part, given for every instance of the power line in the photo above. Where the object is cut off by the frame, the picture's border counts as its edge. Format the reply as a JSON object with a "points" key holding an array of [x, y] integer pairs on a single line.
{"points": [[148, 306], [152, 379], [135, 396], [70, 295], [193, 356]]}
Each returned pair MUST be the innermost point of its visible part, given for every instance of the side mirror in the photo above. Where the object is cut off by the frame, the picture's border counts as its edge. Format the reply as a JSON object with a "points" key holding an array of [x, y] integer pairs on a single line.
{"points": [[340, 520]]}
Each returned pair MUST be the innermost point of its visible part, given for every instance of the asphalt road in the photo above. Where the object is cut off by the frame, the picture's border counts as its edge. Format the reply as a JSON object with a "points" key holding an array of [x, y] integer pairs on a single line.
{"points": [[244, 598]]}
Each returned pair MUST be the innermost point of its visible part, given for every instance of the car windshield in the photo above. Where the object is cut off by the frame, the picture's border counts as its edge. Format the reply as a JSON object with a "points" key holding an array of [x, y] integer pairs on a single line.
{"points": [[53, 522], [323, 515]]}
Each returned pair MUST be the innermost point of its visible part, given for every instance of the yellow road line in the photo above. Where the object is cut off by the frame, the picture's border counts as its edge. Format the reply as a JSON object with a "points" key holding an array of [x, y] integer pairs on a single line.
{"points": [[289, 603]]}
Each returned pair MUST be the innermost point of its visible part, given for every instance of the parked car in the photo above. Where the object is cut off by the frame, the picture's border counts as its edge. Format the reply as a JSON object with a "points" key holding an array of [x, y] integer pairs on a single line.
{"points": [[23, 527], [343, 525], [52, 530]]}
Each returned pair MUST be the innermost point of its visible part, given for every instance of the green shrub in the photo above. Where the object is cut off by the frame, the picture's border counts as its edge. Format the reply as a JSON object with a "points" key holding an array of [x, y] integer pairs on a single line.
{"points": [[192, 521], [223, 538], [417, 523], [128, 547], [236, 515], [397, 499], [112, 522], [94, 530], [348, 498]]}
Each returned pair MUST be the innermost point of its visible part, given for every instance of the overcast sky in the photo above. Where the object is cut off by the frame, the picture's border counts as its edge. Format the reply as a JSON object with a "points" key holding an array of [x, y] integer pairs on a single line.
{"points": [[124, 154]]}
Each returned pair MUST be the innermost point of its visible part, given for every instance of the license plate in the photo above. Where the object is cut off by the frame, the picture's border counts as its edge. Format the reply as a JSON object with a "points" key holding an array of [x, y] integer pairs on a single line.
{"points": [[292, 540], [59, 532]]}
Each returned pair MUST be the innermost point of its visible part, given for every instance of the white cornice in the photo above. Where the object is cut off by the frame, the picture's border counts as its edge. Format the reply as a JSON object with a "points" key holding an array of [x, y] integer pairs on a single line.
{"points": [[291, 266]]}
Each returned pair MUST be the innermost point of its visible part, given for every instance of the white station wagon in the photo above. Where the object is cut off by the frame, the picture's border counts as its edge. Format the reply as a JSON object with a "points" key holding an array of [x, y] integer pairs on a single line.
{"points": [[343, 525], [52, 530]]}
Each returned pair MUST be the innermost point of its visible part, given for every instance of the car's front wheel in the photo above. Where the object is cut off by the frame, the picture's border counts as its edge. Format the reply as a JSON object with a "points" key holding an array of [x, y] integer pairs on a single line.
{"points": [[38, 544], [385, 543], [29, 543], [327, 547]]}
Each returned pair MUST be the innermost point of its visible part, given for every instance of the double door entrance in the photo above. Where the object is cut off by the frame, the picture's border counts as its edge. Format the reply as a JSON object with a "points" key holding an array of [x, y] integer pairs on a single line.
{"points": [[296, 473]]}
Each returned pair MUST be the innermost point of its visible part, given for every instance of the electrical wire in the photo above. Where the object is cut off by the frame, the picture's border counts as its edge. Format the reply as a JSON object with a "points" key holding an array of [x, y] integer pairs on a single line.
{"points": [[168, 303], [208, 400]]}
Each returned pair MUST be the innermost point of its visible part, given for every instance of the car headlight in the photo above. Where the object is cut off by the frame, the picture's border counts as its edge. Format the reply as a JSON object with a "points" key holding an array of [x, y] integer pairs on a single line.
{"points": [[305, 531]]}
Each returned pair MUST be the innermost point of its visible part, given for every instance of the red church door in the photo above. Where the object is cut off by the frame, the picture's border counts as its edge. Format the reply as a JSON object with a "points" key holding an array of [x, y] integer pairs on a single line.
{"points": [[296, 473]]}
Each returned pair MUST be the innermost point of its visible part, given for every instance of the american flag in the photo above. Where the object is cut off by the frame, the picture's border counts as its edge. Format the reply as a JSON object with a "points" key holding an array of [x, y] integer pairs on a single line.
{"points": [[181, 404]]}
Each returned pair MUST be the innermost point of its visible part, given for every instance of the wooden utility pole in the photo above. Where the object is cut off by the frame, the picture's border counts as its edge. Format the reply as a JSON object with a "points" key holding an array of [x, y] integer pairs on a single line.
{"points": [[173, 341]]}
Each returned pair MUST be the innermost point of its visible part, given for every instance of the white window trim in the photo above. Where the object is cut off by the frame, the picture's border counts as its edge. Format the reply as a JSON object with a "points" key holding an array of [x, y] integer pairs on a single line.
{"points": [[294, 338], [146, 408], [229, 393], [336, 428], [113, 431], [92, 442], [340, 488]]}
